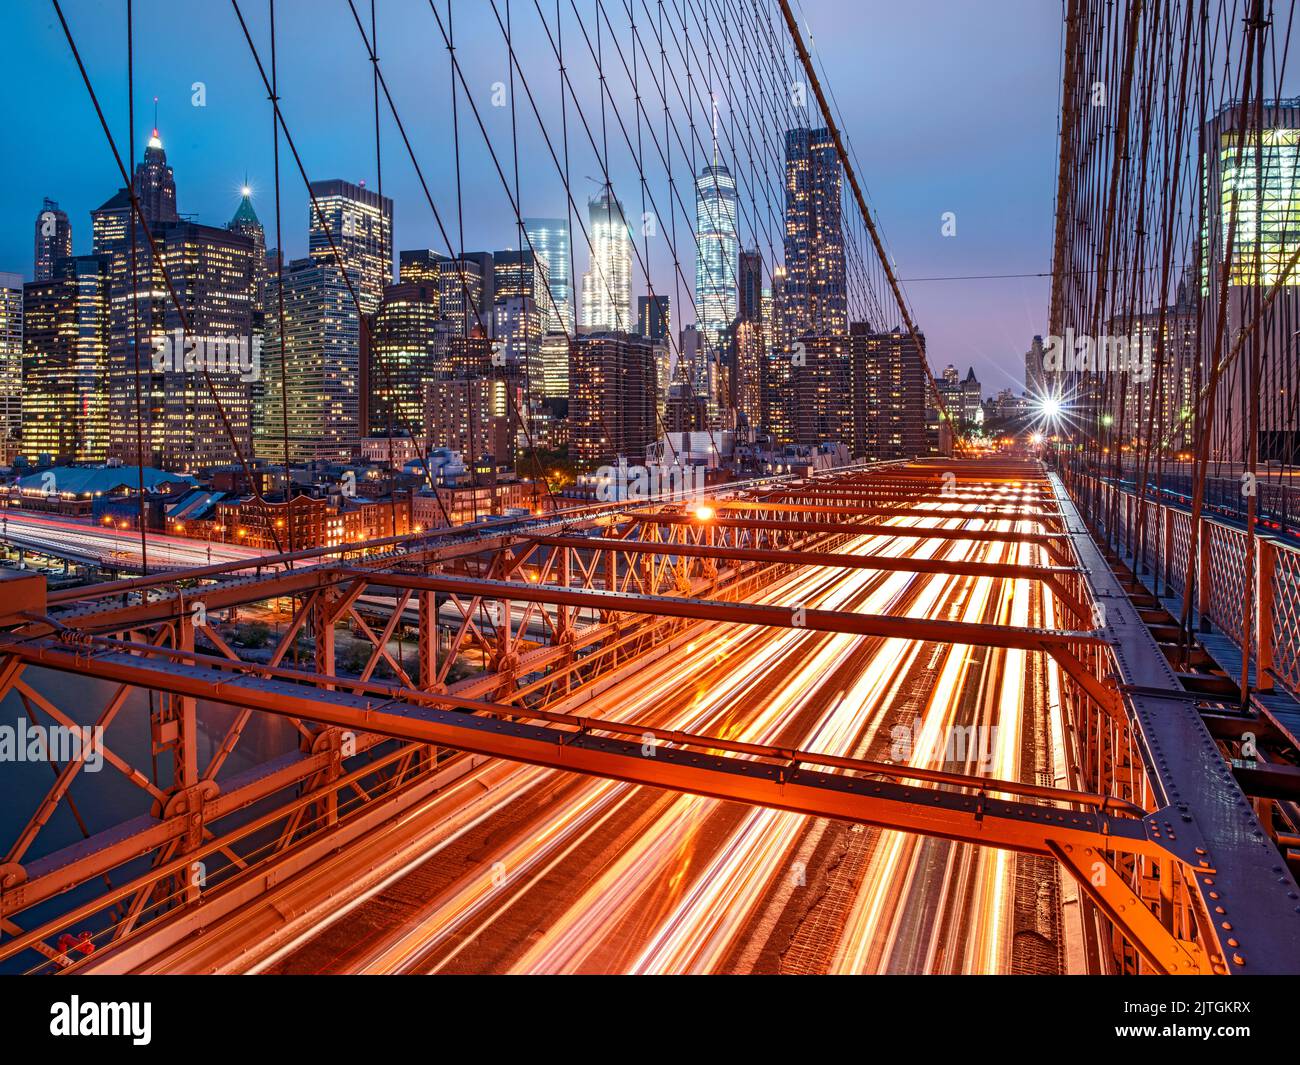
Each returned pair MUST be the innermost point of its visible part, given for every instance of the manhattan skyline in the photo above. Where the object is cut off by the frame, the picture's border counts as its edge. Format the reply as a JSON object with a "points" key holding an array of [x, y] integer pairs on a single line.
{"points": [[924, 146]]}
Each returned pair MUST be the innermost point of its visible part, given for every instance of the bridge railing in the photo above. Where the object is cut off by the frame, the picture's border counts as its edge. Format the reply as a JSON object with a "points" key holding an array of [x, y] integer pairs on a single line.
{"points": [[1256, 605]]}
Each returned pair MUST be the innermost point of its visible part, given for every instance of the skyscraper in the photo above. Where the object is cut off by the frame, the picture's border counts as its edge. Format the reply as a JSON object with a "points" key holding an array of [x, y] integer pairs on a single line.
{"points": [[1265, 184], [555, 365], [777, 367], [1035, 381], [319, 342], [522, 273], [607, 285], [360, 224], [750, 304], [245, 221], [693, 363], [487, 271], [972, 398], [471, 415], [549, 238], [155, 186], [612, 393], [1169, 389], [821, 398], [718, 247], [778, 396], [949, 385], [815, 285], [462, 289], [160, 399], [887, 385], [519, 317], [65, 362], [11, 360], [419, 266], [465, 283], [409, 344], [744, 373], [778, 323], [185, 425], [53, 239], [469, 356], [654, 318], [517, 340]]}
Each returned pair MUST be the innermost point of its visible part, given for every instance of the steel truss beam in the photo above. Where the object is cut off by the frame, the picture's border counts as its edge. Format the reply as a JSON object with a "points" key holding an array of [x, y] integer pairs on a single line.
{"points": [[1050, 541], [843, 621], [901, 564], [968, 511], [590, 749], [1049, 575]]}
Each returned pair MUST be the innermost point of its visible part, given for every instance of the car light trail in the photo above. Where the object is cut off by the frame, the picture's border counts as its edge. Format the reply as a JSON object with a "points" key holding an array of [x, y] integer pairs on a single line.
{"points": [[679, 893]]}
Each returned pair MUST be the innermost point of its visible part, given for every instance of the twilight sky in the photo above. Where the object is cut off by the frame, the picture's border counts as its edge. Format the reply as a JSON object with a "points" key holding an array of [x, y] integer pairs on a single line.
{"points": [[950, 106]]}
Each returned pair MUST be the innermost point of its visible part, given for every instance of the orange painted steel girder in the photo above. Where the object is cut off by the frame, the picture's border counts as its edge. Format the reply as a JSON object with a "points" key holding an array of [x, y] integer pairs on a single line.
{"points": [[883, 625]]}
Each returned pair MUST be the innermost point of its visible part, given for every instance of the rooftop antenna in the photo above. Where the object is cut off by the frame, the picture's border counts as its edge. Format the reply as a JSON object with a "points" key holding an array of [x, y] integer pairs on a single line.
{"points": [[714, 98]]}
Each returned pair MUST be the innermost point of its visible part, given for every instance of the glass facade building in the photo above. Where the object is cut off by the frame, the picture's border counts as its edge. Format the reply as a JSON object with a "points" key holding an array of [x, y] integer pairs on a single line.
{"points": [[549, 238], [1262, 171], [1254, 167], [718, 249], [607, 286]]}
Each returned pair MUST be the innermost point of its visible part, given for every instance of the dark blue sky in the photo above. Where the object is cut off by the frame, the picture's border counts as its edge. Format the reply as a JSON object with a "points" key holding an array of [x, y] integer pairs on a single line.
{"points": [[950, 106]]}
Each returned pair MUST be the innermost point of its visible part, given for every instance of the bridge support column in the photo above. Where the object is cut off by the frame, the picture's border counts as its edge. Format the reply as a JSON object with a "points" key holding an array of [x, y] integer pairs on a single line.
{"points": [[564, 619], [185, 794], [428, 603], [323, 624], [187, 755]]}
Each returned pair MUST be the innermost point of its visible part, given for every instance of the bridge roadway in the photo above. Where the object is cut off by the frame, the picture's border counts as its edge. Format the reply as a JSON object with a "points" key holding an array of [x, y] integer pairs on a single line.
{"points": [[526, 869]]}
